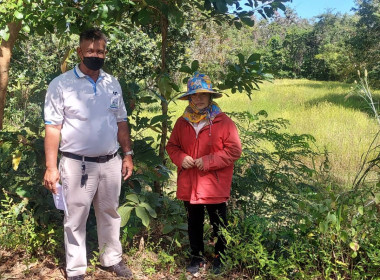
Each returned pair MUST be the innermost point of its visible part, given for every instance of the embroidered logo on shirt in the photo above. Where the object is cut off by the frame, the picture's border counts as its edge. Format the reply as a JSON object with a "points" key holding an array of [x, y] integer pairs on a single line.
{"points": [[114, 102]]}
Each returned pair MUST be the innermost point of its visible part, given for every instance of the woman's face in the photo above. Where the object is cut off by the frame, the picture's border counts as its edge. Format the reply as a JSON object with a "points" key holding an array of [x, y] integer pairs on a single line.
{"points": [[200, 99]]}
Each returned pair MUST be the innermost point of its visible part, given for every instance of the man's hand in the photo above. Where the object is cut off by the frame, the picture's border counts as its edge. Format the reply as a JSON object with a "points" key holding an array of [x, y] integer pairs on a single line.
{"points": [[188, 162], [125, 143], [50, 179], [127, 167], [199, 163], [52, 133]]}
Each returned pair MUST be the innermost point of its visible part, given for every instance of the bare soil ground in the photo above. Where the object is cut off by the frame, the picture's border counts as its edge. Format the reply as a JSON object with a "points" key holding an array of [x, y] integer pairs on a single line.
{"points": [[14, 265]]}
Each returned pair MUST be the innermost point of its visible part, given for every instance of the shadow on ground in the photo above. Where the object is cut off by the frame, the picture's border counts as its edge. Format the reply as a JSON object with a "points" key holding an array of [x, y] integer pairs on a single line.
{"points": [[352, 102]]}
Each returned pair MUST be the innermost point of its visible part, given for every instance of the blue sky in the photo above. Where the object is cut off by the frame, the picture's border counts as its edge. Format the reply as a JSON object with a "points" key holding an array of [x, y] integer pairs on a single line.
{"points": [[311, 8]]}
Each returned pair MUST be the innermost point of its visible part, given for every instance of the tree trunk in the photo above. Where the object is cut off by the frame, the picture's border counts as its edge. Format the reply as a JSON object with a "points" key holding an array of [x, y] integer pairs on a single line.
{"points": [[5, 58], [164, 105]]}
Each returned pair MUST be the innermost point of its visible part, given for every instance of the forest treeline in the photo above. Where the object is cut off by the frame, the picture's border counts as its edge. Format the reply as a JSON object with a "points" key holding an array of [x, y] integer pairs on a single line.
{"points": [[329, 47]]}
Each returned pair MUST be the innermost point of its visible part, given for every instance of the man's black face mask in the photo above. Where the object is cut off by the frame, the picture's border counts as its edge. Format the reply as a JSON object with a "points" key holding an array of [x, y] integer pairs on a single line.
{"points": [[93, 62]]}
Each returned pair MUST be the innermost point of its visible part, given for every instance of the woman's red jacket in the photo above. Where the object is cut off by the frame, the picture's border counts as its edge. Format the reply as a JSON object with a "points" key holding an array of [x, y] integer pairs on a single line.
{"points": [[218, 145]]}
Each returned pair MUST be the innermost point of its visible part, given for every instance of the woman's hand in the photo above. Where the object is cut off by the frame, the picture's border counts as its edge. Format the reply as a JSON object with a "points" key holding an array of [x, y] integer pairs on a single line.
{"points": [[188, 162], [199, 163]]}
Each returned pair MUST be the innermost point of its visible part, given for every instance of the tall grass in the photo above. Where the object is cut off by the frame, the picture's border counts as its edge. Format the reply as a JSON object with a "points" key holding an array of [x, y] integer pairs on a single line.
{"points": [[345, 127]]}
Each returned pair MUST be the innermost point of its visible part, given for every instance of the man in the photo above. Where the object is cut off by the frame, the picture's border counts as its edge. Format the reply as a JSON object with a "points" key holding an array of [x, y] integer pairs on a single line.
{"points": [[84, 107]]}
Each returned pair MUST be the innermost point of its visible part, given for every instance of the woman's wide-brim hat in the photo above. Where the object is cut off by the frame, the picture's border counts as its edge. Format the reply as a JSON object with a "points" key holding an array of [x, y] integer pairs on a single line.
{"points": [[199, 83]]}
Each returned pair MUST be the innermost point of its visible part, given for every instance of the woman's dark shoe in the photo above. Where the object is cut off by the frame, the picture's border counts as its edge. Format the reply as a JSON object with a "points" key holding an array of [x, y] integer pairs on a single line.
{"points": [[217, 265], [195, 264], [121, 270]]}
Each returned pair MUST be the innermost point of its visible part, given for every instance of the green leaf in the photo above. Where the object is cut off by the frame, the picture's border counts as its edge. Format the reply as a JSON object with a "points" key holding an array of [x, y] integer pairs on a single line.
{"points": [[220, 7], [262, 14], [175, 87], [341, 263], [282, 7], [26, 28], [179, 245], [145, 17], [18, 15], [322, 227], [186, 69], [104, 11], [238, 25], [331, 218], [164, 86], [125, 213], [182, 226], [262, 262], [268, 11], [207, 5], [194, 66], [253, 57], [218, 22], [151, 211], [132, 197], [354, 246], [248, 21], [377, 198], [16, 158], [23, 192], [176, 18], [4, 33], [360, 210], [142, 214], [158, 119], [344, 236], [167, 228]]}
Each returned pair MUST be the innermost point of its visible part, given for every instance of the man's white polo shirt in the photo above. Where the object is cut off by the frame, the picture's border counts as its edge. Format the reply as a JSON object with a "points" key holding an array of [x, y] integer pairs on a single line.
{"points": [[88, 111]]}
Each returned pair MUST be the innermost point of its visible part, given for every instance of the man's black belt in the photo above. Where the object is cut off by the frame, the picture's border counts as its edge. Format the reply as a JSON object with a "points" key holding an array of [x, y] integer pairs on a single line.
{"points": [[99, 159]]}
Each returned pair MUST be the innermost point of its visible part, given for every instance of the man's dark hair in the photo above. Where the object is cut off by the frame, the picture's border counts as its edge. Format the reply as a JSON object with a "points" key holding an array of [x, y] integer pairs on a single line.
{"points": [[93, 34]]}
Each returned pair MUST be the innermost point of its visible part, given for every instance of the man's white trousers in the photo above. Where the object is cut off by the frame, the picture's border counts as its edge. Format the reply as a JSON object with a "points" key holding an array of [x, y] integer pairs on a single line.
{"points": [[102, 189]]}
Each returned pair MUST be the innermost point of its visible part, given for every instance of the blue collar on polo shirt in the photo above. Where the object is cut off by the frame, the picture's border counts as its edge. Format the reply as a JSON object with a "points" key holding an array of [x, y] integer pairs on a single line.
{"points": [[79, 74]]}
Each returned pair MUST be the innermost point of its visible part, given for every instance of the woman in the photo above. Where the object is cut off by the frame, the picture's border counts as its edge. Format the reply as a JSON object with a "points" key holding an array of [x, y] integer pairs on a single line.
{"points": [[204, 145]]}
